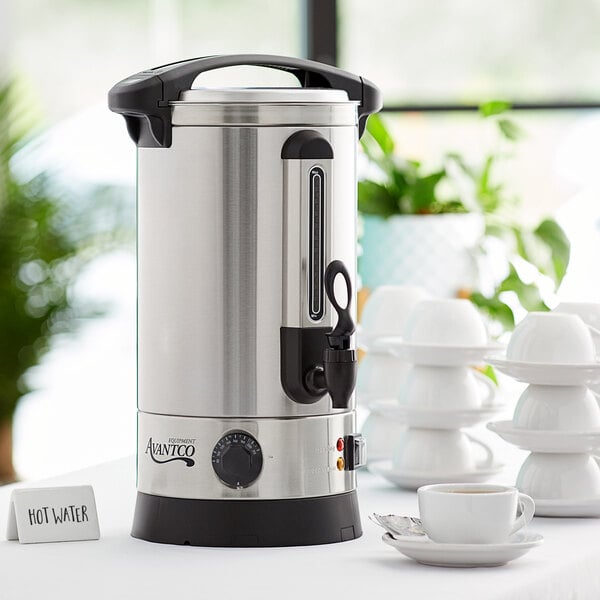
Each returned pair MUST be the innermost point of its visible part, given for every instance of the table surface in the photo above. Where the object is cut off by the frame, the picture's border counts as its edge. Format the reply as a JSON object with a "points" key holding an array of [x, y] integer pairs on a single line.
{"points": [[117, 566]]}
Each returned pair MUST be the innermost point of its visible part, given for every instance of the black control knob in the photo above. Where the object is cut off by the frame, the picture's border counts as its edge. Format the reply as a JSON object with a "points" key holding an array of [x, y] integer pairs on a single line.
{"points": [[237, 459]]}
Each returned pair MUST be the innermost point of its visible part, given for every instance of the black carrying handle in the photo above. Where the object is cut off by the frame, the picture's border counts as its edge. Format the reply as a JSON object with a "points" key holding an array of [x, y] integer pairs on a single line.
{"points": [[339, 337], [143, 99]]}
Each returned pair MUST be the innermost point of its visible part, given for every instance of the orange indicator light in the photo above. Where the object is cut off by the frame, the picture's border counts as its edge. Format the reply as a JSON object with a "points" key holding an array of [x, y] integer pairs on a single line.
{"points": [[340, 464]]}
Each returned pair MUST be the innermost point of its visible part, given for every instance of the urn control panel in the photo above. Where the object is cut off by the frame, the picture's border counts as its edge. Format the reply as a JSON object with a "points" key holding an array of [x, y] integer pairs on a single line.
{"points": [[237, 459]]}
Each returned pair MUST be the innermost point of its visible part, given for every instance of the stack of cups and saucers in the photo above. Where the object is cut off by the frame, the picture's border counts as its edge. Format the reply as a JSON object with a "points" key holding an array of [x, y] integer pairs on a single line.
{"points": [[557, 417], [417, 432], [439, 396], [380, 373]]}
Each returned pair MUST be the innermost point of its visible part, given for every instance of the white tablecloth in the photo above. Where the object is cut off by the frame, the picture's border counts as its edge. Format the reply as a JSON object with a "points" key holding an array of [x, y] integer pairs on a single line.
{"points": [[566, 566]]}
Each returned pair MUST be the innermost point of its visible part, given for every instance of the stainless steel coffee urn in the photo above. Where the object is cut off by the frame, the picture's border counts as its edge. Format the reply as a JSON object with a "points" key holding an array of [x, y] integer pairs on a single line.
{"points": [[246, 275]]}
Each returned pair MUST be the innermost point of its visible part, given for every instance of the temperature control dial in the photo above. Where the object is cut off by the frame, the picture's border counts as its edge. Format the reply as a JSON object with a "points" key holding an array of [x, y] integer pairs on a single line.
{"points": [[237, 459]]}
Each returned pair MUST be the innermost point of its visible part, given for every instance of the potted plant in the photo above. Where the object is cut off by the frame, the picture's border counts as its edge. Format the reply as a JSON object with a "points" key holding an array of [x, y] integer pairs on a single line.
{"points": [[415, 231], [45, 241]]}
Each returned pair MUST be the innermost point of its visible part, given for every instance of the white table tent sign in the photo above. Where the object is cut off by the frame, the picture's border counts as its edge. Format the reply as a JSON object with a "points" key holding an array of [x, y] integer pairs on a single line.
{"points": [[53, 514]]}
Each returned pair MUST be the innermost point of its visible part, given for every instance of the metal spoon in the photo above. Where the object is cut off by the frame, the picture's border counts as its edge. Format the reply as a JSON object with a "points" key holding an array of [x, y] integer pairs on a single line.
{"points": [[399, 526]]}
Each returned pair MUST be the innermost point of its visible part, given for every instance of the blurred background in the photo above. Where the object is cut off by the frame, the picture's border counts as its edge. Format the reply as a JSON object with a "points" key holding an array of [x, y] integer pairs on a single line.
{"points": [[467, 86]]}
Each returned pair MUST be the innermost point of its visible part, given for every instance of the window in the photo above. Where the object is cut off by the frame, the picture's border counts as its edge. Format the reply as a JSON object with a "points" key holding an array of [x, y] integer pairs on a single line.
{"points": [[465, 51]]}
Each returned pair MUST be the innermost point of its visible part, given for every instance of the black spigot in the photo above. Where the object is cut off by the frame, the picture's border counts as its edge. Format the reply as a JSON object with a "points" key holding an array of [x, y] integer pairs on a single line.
{"points": [[339, 360], [337, 375]]}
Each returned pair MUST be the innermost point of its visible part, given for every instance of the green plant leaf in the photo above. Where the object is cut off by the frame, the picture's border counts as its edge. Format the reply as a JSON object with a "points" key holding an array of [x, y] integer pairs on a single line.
{"points": [[493, 107], [459, 160], [495, 309], [523, 245], [380, 134], [510, 130], [551, 234], [484, 177], [547, 248], [489, 196], [489, 372], [365, 143], [448, 206], [423, 196], [375, 199], [400, 179], [528, 293]]}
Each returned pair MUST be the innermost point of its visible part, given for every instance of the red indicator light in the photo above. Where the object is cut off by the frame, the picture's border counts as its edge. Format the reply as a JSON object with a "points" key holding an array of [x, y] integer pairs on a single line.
{"points": [[340, 445]]}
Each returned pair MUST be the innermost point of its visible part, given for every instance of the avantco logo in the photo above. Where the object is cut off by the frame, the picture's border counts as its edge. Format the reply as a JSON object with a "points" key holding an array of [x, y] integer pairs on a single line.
{"points": [[174, 449]]}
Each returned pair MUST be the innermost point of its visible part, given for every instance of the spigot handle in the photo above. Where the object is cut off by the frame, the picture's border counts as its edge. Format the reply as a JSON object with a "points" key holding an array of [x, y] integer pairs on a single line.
{"points": [[339, 338], [339, 360]]}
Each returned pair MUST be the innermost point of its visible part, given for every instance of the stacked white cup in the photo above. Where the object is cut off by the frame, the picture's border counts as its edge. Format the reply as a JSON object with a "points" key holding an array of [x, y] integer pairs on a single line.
{"points": [[557, 417], [440, 395], [380, 374], [589, 313]]}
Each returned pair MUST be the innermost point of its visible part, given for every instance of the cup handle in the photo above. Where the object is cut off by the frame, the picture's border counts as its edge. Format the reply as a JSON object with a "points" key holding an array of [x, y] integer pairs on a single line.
{"points": [[595, 332], [488, 384], [489, 453], [527, 507]]}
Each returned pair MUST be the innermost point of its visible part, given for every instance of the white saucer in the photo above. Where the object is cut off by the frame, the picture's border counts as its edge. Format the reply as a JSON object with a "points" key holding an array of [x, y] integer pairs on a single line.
{"points": [[369, 399], [547, 374], [435, 418], [411, 480], [425, 551], [436, 354], [371, 342], [589, 507], [564, 442]]}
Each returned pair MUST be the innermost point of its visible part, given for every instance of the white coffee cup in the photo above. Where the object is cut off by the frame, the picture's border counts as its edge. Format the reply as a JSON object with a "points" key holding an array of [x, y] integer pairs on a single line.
{"points": [[551, 338], [379, 376], [380, 433], [386, 309], [446, 388], [560, 476], [437, 451], [473, 513], [557, 408], [446, 322], [589, 312]]}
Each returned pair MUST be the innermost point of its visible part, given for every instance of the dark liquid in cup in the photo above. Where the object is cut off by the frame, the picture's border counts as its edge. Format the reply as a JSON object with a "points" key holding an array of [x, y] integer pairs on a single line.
{"points": [[474, 491]]}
